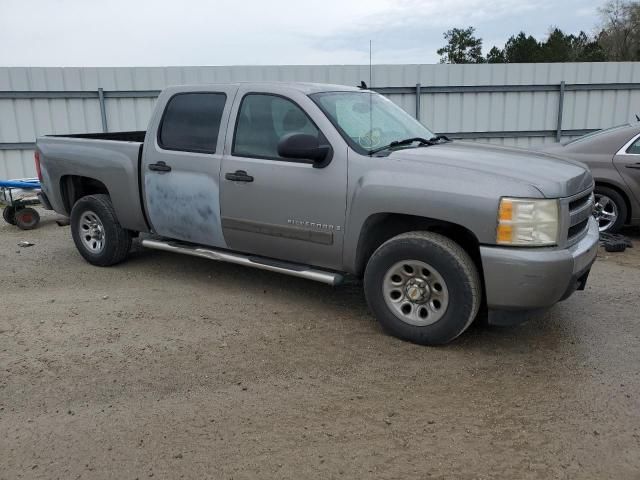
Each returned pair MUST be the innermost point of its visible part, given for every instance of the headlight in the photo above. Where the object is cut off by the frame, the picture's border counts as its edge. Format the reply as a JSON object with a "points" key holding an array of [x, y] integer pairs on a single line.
{"points": [[527, 222]]}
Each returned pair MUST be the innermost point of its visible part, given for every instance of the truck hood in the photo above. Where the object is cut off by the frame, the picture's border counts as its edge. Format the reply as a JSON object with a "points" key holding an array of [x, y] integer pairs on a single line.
{"points": [[553, 176]]}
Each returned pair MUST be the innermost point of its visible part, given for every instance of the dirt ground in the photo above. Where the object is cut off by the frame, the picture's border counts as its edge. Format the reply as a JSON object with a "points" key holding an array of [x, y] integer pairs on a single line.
{"points": [[176, 367]]}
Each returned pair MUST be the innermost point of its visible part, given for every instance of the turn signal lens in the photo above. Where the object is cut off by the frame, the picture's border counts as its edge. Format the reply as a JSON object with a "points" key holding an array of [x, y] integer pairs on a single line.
{"points": [[505, 233], [506, 210]]}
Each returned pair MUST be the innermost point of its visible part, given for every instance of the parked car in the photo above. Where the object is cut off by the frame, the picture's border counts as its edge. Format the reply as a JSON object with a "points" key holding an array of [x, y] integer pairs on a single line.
{"points": [[613, 155], [323, 181]]}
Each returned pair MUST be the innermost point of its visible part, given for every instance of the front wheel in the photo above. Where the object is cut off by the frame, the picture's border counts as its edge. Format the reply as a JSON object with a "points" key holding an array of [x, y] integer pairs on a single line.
{"points": [[423, 287], [98, 235]]}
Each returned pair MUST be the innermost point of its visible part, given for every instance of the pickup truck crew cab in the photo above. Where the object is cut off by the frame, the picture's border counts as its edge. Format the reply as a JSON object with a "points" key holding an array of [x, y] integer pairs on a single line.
{"points": [[320, 181]]}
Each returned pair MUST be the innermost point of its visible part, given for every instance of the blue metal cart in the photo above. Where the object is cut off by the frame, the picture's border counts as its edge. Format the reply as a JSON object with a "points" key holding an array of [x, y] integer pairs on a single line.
{"points": [[19, 197]]}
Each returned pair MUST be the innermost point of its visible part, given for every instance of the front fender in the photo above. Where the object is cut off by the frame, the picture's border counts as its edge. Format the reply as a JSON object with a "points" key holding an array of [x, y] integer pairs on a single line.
{"points": [[468, 201]]}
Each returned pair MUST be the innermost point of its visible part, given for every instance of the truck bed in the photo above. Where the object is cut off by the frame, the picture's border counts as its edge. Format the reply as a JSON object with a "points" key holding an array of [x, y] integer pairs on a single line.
{"points": [[109, 160]]}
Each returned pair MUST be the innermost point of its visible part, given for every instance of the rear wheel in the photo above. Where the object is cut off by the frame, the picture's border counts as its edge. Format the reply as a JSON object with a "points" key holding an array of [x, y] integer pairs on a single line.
{"points": [[27, 218], [423, 287], [98, 235], [610, 209], [9, 215]]}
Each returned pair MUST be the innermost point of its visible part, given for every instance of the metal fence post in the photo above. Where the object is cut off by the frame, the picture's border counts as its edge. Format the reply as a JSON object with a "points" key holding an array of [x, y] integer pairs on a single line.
{"points": [[560, 111], [103, 110], [418, 98]]}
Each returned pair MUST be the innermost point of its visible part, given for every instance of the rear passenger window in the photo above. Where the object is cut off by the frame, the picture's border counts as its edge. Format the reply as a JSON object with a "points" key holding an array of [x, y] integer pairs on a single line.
{"points": [[191, 122], [263, 120], [634, 149]]}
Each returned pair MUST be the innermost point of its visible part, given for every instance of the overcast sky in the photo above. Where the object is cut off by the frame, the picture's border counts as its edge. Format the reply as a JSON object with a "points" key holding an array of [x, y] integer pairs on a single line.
{"points": [[253, 32]]}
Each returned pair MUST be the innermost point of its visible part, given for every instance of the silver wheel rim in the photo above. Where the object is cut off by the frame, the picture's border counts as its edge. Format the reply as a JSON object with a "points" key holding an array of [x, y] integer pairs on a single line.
{"points": [[605, 211], [91, 232], [415, 292]]}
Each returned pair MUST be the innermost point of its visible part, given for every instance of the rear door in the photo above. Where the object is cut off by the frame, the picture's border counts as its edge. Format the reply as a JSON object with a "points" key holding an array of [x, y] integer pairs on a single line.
{"points": [[273, 206], [627, 162], [181, 164]]}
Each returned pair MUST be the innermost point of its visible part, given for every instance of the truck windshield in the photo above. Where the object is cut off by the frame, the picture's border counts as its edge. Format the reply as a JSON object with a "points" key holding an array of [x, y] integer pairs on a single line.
{"points": [[368, 121]]}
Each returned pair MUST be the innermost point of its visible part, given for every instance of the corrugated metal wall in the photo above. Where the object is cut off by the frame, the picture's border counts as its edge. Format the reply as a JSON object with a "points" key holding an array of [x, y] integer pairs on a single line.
{"points": [[22, 119]]}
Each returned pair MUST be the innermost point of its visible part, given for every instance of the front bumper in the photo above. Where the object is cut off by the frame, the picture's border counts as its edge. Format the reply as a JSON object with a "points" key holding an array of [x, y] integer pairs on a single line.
{"points": [[522, 283]]}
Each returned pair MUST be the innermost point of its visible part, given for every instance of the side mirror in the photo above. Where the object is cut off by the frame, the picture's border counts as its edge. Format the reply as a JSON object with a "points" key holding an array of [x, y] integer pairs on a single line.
{"points": [[304, 147]]}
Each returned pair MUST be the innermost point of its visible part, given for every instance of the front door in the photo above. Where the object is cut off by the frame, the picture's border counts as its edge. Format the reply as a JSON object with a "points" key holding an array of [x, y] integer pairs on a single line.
{"points": [[627, 161], [273, 206], [181, 166]]}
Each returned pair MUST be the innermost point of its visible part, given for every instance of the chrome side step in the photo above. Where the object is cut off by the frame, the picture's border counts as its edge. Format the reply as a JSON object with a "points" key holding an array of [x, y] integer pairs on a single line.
{"points": [[292, 269]]}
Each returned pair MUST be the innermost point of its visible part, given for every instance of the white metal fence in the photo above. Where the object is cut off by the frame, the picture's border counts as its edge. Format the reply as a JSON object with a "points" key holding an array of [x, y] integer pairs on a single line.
{"points": [[516, 104]]}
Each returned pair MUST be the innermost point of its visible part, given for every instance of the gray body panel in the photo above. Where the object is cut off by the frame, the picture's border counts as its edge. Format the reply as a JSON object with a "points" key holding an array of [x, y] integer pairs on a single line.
{"points": [[286, 196], [460, 183], [628, 166], [184, 204], [553, 176], [294, 212], [603, 152], [534, 279], [113, 163]]}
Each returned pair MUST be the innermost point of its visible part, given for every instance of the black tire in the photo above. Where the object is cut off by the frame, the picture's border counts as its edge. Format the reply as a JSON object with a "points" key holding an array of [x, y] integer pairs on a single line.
{"points": [[620, 205], [9, 215], [451, 262], [27, 218], [116, 240]]}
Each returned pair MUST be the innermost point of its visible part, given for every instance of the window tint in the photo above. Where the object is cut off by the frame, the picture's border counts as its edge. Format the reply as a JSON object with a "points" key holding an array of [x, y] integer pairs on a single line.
{"points": [[634, 149], [263, 120], [191, 122]]}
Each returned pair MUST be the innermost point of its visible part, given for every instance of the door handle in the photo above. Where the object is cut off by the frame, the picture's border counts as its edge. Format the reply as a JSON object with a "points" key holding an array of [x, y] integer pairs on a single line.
{"points": [[239, 176], [159, 167], [635, 165]]}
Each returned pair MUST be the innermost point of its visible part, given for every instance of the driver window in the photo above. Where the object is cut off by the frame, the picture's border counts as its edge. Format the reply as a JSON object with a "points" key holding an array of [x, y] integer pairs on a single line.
{"points": [[263, 120]]}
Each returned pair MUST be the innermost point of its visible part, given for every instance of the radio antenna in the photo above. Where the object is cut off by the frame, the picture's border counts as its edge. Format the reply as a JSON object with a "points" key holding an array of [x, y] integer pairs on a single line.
{"points": [[370, 100], [370, 67]]}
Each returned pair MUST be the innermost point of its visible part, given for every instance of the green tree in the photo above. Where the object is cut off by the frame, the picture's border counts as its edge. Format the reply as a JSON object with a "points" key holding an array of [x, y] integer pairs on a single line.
{"points": [[557, 47], [586, 49], [570, 48], [522, 49], [462, 47], [496, 55]]}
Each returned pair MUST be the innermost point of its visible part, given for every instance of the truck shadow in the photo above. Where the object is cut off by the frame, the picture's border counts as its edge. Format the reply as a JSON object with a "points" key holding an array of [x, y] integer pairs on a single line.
{"points": [[346, 302]]}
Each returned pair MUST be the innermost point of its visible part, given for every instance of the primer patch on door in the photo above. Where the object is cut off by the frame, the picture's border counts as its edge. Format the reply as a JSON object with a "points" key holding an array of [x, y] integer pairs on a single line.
{"points": [[185, 206]]}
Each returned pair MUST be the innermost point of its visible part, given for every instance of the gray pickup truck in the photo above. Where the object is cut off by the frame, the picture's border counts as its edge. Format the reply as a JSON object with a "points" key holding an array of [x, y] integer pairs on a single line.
{"points": [[325, 181]]}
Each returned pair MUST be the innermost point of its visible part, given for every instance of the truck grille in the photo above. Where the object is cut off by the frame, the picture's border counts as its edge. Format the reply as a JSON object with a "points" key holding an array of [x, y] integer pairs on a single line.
{"points": [[577, 229], [580, 209]]}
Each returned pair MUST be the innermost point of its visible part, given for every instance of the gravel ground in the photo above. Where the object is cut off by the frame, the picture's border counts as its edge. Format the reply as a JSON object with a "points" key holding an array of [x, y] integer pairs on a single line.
{"points": [[176, 367]]}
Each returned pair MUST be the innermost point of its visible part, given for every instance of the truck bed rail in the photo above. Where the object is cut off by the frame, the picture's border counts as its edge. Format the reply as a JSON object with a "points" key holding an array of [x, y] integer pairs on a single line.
{"points": [[134, 136]]}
